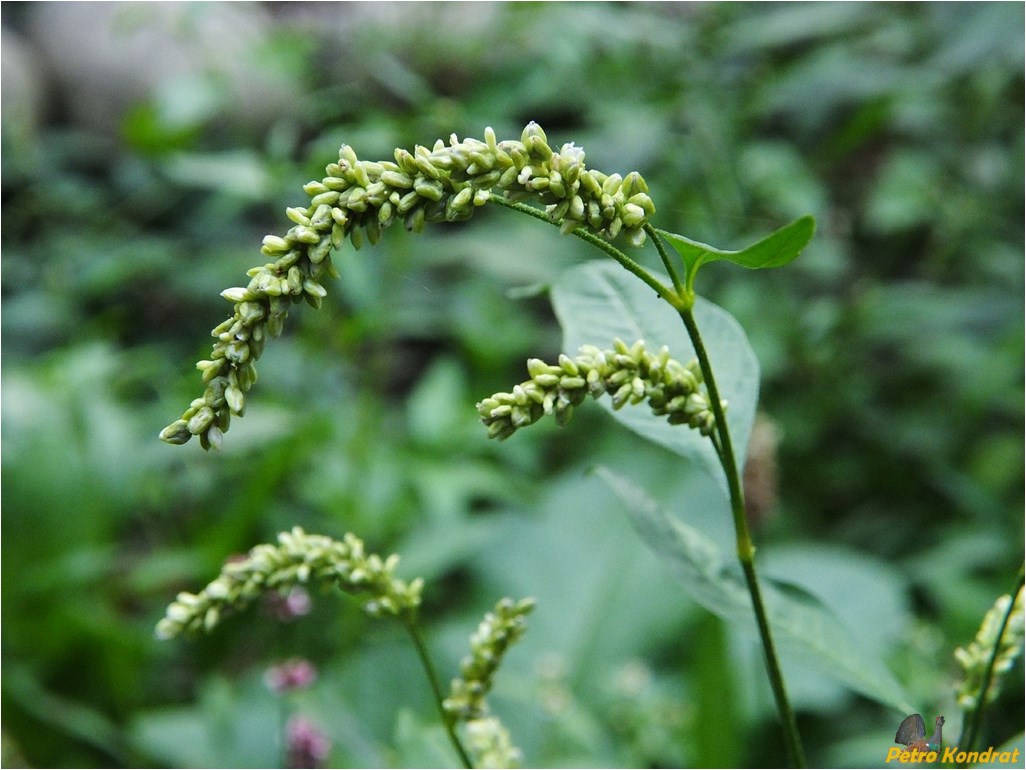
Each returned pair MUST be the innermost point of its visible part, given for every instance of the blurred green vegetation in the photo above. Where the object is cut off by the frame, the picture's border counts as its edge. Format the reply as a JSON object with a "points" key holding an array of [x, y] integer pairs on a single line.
{"points": [[144, 158]]}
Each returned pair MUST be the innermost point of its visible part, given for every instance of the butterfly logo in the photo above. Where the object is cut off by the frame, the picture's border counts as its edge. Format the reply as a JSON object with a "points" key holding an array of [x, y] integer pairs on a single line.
{"points": [[912, 733]]}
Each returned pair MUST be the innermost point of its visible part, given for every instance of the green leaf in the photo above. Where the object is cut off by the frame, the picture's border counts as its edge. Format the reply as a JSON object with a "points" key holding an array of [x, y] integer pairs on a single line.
{"points": [[775, 250], [804, 628], [599, 301]]}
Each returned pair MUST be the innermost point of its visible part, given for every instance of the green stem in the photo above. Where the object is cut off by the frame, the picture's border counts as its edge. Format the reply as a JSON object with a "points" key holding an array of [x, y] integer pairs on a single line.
{"points": [[682, 299], [668, 263], [745, 547], [629, 264], [436, 689], [971, 728]]}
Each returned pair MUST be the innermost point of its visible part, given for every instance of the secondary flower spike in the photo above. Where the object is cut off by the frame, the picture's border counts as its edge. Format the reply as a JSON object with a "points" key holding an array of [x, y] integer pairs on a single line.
{"points": [[628, 374], [974, 657], [297, 559], [357, 199]]}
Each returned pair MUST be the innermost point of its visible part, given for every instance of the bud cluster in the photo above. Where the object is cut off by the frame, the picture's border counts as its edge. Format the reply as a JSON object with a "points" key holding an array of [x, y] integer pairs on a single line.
{"points": [[489, 743], [500, 628], [974, 658], [629, 374], [357, 199], [298, 558]]}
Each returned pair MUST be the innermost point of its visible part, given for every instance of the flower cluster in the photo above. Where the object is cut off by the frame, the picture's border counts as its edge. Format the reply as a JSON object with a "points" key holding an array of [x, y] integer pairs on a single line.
{"points": [[974, 658], [629, 374], [298, 558], [306, 745], [500, 628], [357, 199], [489, 744]]}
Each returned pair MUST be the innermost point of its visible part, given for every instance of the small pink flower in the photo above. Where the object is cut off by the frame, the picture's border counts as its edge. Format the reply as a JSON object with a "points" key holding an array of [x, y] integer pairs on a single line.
{"points": [[293, 674], [306, 744], [288, 605]]}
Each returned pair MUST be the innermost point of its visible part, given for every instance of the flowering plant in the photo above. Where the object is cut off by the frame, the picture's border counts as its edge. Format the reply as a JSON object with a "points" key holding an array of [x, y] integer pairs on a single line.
{"points": [[355, 201]]}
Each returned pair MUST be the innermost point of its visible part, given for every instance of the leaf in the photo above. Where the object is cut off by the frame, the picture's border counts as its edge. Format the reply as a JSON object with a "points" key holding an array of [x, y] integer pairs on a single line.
{"points": [[599, 301], [775, 250], [804, 629]]}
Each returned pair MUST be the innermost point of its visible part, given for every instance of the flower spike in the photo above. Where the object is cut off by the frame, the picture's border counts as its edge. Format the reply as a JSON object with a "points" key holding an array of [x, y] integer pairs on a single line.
{"points": [[629, 375], [358, 199]]}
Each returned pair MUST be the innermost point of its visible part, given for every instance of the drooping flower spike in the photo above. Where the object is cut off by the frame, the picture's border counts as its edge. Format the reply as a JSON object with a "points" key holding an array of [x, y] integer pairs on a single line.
{"points": [[357, 199], [975, 656], [297, 559], [629, 374]]}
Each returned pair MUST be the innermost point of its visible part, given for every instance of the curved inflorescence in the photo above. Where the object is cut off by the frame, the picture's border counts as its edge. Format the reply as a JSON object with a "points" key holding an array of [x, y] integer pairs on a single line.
{"points": [[974, 657], [357, 199], [629, 374], [500, 628], [489, 743], [297, 559], [485, 736]]}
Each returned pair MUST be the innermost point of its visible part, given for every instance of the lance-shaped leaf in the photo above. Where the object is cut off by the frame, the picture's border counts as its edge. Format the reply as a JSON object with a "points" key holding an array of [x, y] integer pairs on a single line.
{"points": [[804, 628], [775, 250]]}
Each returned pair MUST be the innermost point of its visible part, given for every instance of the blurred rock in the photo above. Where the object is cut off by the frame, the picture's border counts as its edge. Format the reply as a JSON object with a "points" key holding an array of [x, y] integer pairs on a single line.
{"points": [[106, 57], [21, 89]]}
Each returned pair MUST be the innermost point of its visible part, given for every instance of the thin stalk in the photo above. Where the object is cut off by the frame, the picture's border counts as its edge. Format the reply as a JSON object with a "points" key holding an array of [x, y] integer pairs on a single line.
{"points": [[436, 689], [629, 264], [745, 548], [668, 263], [681, 298], [971, 728]]}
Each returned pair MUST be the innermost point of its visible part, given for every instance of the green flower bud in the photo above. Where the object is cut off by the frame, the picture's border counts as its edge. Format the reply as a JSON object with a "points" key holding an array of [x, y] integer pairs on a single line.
{"points": [[176, 433], [311, 287], [329, 198], [632, 215], [635, 237], [275, 324], [633, 184], [427, 167], [459, 203], [397, 179], [235, 400], [356, 237], [274, 245], [373, 229], [305, 234], [314, 188], [556, 186], [200, 421], [415, 220], [237, 295], [320, 251]]}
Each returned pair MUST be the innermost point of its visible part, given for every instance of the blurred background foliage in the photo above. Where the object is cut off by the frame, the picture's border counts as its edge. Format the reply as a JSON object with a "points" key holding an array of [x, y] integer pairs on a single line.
{"points": [[148, 147]]}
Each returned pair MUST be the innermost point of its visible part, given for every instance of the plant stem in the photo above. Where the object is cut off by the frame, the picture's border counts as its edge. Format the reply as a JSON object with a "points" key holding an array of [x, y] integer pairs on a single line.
{"points": [[629, 264], [682, 299], [745, 548], [436, 689], [971, 728], [664, 255]]}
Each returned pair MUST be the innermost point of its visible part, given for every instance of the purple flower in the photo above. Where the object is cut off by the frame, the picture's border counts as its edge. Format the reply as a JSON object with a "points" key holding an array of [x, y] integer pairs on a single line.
{"points": [[293, 674], [306, 744], [289, 605]]}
